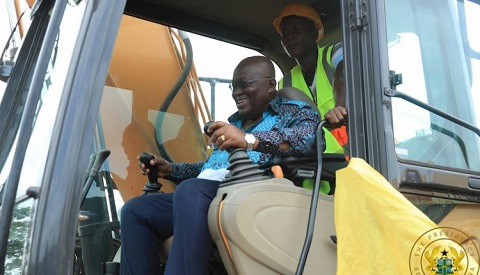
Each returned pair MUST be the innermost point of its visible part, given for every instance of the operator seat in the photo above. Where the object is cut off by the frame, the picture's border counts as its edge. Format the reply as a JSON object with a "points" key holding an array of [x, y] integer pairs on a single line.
{"points": [[259, 227], [259, 224], [296, 94]]}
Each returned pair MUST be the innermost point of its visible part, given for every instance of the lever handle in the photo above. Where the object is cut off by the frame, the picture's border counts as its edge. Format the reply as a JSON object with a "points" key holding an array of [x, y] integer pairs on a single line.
{"points": [[205, 128], [152, 185]]}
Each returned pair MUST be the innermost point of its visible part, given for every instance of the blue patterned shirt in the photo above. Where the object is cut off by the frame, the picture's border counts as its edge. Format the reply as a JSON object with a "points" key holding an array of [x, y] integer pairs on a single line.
{"points": [[284, 121]]}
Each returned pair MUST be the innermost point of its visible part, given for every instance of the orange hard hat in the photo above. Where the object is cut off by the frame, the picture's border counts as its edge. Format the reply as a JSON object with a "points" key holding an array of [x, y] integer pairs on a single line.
{"points": [[302, 10]]}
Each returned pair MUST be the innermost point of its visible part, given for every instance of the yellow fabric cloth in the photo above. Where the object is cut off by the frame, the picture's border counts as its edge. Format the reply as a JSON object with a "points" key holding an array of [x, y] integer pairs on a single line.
{"points": [[377, 227]]}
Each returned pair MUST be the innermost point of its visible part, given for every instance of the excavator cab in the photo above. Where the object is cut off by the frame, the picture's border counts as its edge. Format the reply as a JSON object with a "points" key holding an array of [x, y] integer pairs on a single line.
{"points": [[80, 78]]}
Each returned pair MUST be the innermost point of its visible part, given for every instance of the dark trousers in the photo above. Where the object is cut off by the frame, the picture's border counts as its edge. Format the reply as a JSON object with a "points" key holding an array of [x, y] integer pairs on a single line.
{"points": [[147, 219]]}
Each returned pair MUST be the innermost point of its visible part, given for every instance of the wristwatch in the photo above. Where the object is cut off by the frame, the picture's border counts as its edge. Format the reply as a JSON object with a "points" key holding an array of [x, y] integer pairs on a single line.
{"points": [[250, 139]]}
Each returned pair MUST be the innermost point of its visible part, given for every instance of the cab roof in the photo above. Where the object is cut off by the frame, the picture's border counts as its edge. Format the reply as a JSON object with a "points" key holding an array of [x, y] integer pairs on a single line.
{"points": [[246, 23]]}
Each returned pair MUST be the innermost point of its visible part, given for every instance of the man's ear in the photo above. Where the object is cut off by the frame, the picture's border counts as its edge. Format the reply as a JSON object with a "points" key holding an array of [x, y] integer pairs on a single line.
{"points": [[272, 86]]}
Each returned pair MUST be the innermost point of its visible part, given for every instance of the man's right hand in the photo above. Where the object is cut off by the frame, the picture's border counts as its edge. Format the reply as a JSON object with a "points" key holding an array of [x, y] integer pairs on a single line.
{"points": [[336, 117], [164, 167]]}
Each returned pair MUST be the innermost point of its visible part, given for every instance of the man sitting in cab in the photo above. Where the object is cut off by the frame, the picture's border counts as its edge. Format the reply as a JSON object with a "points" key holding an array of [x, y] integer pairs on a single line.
{"points": [[266, 125]]}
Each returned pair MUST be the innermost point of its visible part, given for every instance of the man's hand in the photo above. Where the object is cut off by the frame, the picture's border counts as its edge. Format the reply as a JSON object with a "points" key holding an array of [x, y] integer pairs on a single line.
{"points": [[164, 167], [226, 136], [336, 117]]}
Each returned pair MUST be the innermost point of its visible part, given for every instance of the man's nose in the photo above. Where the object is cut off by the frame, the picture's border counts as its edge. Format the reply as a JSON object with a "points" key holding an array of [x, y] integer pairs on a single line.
{"points": [[237, 90]]}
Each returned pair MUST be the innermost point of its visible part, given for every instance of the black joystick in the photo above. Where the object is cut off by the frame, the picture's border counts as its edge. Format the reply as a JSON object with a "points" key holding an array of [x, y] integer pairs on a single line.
{"points": [[205, 128], [152, 185]]}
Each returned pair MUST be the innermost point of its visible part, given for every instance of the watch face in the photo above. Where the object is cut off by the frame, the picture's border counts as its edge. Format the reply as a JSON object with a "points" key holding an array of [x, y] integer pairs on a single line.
{"points": [[250, 138]]}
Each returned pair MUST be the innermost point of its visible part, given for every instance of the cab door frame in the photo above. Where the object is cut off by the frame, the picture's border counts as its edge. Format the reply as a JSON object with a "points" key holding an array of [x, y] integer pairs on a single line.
{"points": [[50, 247], [72, 140], [363, 31]]}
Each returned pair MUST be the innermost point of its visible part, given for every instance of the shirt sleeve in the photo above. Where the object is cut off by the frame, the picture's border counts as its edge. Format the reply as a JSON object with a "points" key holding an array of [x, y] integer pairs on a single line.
{"points": [[337, 54], [296, 129], [184, 170]]}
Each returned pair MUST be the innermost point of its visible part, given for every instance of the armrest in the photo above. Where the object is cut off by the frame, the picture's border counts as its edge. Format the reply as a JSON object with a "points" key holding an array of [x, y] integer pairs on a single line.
{"points": [[295, 167]]}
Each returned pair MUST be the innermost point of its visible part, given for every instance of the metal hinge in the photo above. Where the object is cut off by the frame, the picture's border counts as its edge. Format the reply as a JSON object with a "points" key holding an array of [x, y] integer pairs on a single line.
{"points": [[395, 79], [358, 14]]}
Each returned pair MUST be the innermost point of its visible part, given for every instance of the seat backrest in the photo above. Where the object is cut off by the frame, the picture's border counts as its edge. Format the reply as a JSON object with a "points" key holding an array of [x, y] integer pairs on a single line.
{"points": [[296, 94]]}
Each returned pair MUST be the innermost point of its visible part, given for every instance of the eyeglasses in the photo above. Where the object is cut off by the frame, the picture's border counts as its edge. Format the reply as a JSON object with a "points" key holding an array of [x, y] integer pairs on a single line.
{"points": [[243, 84]]}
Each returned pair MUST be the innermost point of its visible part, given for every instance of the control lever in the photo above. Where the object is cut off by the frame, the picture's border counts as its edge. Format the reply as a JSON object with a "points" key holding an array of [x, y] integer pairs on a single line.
{"points": [[205, 128], [96, 162], [152, 185]]}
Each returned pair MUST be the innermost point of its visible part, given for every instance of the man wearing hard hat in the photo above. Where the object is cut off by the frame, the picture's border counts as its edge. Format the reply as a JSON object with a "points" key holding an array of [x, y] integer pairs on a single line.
{"points": [[319, 70]]}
